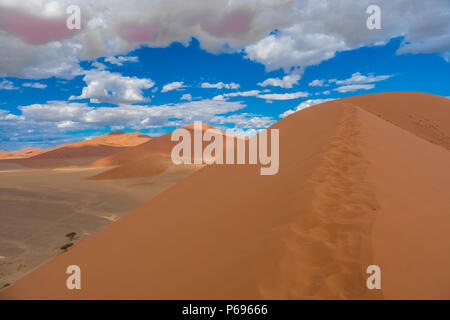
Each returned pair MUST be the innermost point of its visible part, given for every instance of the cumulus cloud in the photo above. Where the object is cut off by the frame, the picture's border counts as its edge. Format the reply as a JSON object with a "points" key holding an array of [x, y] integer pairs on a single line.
{"points": [[319, 29], [7, 85], [61, 114], [220, 85], [354, 87], [358, 81], [357, 77], [287, 82], [104, 86], [186, 96], [303, 105], [176, 85], [280, 34], [35, 85], [317, 83]]}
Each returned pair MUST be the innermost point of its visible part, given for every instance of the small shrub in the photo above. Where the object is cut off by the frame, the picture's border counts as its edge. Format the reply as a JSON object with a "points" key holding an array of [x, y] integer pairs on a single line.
{"points": [[71, 235], [66, 246], [5, 285]]}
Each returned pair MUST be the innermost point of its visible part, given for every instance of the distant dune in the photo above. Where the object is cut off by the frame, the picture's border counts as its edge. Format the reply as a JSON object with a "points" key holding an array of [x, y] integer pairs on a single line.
{"points": [[100, 146], [150, 158], [362, 181], [20, 154], [83, 152]]}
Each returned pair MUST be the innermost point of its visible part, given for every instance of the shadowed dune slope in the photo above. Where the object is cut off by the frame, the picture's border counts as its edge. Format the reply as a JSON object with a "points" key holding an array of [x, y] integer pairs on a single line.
{"points": [[352, 190]]}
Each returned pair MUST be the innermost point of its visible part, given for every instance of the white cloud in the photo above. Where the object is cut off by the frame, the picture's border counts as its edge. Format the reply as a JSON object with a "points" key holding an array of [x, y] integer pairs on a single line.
{"points": [[120, 60], [358, 81], [318, 29], [279, 34], [293, 47], [186, 96], [283, 96], [62, 115], [249, 93], [7, 85], [354, 87], [317, 83], [104, 86], [303, 105], [244, 121], [176, 85], [358, 78], [220, 85], [35, 85], [287, 82]]}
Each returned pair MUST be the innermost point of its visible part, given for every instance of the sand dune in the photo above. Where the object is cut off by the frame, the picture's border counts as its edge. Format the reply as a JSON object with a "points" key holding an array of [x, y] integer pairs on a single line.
{"points": [[422, 114], [84, 152], [360, 183], [107, 144], [20, 154], [150, 158]]}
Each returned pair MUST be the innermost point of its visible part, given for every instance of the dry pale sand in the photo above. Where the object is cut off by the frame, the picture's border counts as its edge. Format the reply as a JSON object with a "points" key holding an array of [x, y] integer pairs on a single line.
{"points": [[38, 207], [357, 186]]}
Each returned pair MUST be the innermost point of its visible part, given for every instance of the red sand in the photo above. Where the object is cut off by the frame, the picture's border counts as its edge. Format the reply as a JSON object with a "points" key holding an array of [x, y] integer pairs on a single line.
{"points": [[353, 189]]}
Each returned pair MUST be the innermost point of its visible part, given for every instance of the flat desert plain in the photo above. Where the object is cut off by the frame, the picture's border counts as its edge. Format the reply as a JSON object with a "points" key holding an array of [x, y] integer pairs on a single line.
{"points": [[38, 207]]}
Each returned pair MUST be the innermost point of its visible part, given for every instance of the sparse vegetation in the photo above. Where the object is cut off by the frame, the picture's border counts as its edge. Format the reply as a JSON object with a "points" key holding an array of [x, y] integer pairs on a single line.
{"points": [[71, 235], [66, 246]]}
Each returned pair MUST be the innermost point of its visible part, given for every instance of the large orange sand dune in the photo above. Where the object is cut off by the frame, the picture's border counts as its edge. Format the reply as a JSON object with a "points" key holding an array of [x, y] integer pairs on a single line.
{"points": [[358, 185]]}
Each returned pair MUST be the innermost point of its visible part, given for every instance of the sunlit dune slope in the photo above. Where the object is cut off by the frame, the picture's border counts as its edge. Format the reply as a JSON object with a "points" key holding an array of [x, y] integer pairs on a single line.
{"points": [[354, 189]]}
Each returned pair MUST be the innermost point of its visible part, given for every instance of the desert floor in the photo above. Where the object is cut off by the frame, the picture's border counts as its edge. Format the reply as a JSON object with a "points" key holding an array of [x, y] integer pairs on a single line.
{"points": [[40, 206]]}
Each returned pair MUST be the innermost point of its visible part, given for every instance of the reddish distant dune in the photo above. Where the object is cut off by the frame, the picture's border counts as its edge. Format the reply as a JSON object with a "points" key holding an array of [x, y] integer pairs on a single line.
{"points": [[362, 181], [20, 154], [80, 153], [150, 158], [100, 146]]}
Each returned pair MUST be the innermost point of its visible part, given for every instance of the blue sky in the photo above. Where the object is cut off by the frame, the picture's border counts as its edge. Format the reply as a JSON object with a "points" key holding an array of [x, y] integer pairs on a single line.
{"points": [[157, 89]]}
